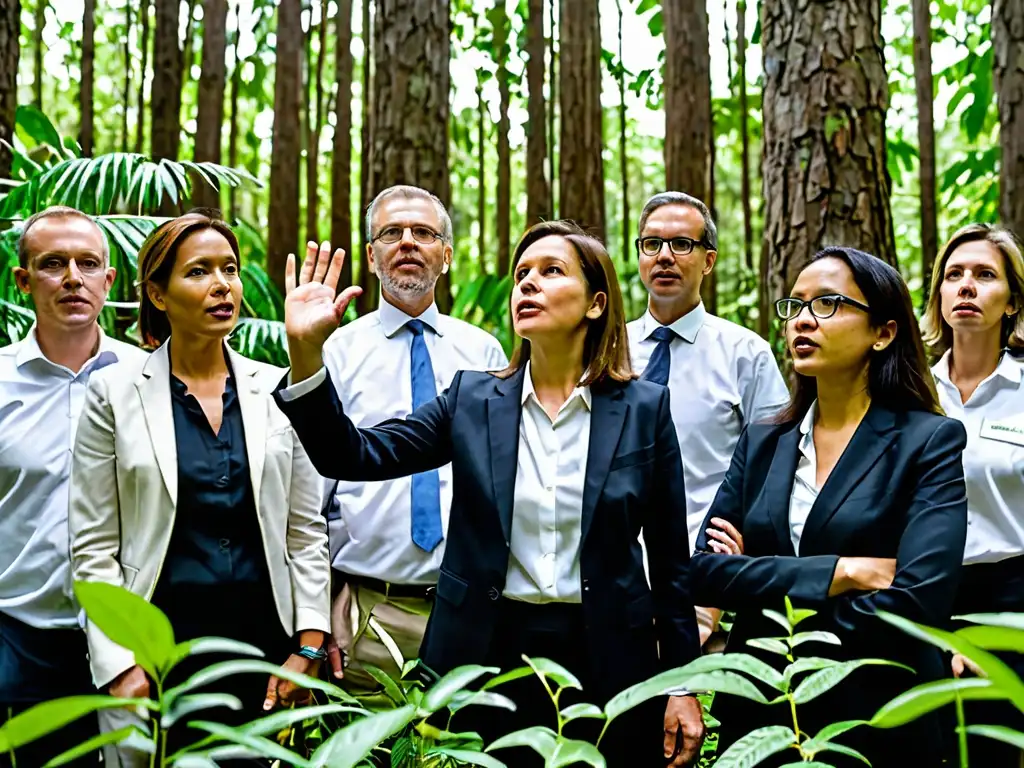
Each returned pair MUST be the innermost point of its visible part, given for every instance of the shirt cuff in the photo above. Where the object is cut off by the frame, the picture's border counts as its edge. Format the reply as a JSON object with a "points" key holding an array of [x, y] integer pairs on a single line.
{"points": [[295, 391]]}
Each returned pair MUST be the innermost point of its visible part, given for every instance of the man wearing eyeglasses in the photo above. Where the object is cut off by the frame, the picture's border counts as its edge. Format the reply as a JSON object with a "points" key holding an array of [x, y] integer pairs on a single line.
{"points": [[387, 538], [722, 376]]}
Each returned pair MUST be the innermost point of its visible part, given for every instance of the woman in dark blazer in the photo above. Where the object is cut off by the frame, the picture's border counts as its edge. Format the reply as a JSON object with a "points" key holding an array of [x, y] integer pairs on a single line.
{"points": [[559, 462], [853, 502]]}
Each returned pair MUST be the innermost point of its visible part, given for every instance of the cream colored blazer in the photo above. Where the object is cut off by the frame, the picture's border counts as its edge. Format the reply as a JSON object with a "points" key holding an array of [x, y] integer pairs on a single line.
{"points": [[124, 490]]}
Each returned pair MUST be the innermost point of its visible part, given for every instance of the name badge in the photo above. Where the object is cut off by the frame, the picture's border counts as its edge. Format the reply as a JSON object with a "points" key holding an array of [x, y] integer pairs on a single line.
{"points": [[1009, 430]]}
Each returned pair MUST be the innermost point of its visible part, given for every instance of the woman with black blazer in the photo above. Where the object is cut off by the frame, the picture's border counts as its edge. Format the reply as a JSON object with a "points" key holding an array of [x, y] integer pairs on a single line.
{"points": [[559, 462], [852, 502]]}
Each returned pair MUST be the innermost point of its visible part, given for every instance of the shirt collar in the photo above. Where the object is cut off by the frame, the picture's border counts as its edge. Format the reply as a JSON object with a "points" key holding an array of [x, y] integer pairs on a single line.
{"points": [[30, 350], [685, 327], [581, 392], [392, 319], [807, 431], [1008, 368]]}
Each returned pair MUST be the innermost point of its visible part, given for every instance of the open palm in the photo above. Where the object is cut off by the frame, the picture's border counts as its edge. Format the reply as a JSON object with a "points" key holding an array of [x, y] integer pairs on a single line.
{"points": [[312, 308]]}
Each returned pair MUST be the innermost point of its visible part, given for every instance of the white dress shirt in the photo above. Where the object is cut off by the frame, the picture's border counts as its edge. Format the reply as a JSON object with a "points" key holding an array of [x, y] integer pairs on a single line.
{"points": [[370, 364], [994, 459], [722, 378], [40, 403], [547, 513], [805, 482]]}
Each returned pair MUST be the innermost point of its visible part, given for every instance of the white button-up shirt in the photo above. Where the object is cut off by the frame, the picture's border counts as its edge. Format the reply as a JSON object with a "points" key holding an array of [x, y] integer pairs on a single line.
{"points": [[547, 513], [40, 403], [369, 361], [993, 460], [722, 378], [805, 483]]}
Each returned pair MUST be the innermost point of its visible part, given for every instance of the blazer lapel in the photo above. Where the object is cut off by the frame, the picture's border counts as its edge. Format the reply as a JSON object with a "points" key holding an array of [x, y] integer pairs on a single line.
{"points": [[871, 439], [503, 412], [608, 414], [778, 486], [254, 404], [154, 388]]}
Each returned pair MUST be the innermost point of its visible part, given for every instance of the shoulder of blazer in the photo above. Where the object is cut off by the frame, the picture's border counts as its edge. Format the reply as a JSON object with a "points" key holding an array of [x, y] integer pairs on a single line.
{"points": [[921, 426]]}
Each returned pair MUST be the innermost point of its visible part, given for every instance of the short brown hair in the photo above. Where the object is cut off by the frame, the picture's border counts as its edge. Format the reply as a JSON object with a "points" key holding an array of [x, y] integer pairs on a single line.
{"points": [[156, 261], [606, 347], [55, 212], [937, 333]]}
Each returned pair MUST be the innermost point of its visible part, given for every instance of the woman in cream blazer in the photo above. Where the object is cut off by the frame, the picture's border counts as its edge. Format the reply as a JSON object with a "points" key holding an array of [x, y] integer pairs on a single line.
{"points": [[189, 487]]}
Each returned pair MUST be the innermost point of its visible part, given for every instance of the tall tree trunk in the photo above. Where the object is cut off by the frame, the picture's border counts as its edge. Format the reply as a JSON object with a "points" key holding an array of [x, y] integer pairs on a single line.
{"points": [[623, 154], [313, 144], [538, 194], [10, 49], [283, 221], [552, 101], [410, 122], [741, 66], [341, 155], [825, 99], [367, 301], [581, 167], [85, 98], [1008, 45], [190, 38], [925, 139], [236, 83], [165, 100], [212, 81], [501, 50], [37, 50], [481, 198], [140, 127], [127, 75]]}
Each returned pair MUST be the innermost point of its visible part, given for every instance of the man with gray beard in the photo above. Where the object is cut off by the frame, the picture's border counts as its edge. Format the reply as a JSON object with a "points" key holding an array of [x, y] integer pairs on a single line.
{"points": [[387, 538]]}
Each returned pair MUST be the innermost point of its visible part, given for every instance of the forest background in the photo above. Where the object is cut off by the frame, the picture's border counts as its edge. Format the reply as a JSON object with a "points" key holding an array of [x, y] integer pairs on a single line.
{"points": [[879, 124]]}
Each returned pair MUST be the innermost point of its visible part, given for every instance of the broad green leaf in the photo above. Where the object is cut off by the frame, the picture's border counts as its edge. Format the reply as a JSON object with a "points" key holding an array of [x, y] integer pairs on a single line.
{"points": [[391, 688], [1008, 620], [546, 668], [815, 637], [465, 699], [808, 664], [507, 677], [47, 717], [999, 733], [724, 681], [203, 645], [286, 718], [829, 732], [770, 644], [719, 681], [347, 746], [538, 738], [778, 618], [798, 615], [813, 747], [825, 679], [735, 662], [756, 746], [130, 621], [194, 761], [441, 692], [573, 752], [468, 757], [259, 745], [34, 124], [132, 736], [183, 706], [994, 638], [576, 711], [928, 697], [224, 669], [811, 764]]}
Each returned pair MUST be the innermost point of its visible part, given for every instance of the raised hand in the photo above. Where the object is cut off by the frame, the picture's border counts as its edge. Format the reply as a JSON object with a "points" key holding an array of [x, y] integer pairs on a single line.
{"points": [[312, 308]]}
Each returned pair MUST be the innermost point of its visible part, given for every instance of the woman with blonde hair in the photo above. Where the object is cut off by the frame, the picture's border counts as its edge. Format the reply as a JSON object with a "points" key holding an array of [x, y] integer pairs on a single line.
{"points": [[974, 322]]}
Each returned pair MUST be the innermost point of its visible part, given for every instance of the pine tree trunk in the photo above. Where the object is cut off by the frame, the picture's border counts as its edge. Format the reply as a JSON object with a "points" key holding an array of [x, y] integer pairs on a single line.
{"points": [[411, 89], [501, 50], [824, 167], [313, 142], [481, 172], [10, 49], [140, 127], [212, 81], [581, 167], [126, 104], [1008, 71], [925, 139], [367, 301], [236, 84], [538, 193], [741, 66], [165, 100], [85, 97], [341, 155], [37, 50], [283, 219]]}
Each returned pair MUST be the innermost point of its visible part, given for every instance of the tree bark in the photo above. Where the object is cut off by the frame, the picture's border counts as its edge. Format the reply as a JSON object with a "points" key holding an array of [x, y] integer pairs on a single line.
{"points": [[623, 153], [741, 66], [140, 127], [190, 36], [538, 193], [825, 99], [1008, 71], [925, 139], [313, 143], [37, 50], [127, 75], [165, 100], [341, 156], [85, 97], [236, 83], [10, 49], [481, 172], [283, 220], [411, 87], [581, 167], [552, 101], [212, 81], [367, 301], [501, 51]]}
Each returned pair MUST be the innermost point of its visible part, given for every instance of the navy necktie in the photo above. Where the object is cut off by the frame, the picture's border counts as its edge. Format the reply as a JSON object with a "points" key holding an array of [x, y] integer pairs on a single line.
{"points": [[426, 486], [658, 366]]}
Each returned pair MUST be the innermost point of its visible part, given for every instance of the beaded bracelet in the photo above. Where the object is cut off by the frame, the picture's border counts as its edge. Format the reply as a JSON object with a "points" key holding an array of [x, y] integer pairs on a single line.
{"points": [[312, 653]]}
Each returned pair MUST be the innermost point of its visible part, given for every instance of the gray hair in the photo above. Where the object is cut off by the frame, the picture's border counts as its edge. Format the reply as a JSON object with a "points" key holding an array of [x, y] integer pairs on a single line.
{"points": [[710, 237], [409, 191], [55, 212]]}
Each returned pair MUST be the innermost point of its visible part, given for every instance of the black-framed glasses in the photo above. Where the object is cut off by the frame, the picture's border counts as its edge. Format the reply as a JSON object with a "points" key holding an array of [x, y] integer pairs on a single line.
{"points": [[680, 246], [421, 234], [822, 307]]}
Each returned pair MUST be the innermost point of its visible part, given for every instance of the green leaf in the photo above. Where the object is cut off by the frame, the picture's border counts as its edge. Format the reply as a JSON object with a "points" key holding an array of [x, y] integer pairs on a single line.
{"points": [[36, 126], [722, 681], [582, 709], [347, 747], [572, 752], [507, 677], [184, 706], [999, 733], [538, 738], [130, 621], [813, 747], [131, 735], [546, 668], [286, 718], [994, 638], [464, 699], [194, 761], [807, 664], [826, 679], [253, 666], [815, 637], [391, 688], [259, 745], [756, 746], [447, 687], [202, 645], [1008, 620], [45, 718], [928, 697], [829, 732], [778, 618], [770, 644], [468, 757]]}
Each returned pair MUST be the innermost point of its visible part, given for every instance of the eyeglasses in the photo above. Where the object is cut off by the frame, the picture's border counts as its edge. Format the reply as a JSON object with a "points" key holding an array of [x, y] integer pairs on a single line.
{"points": [[680, 246], [422, 235], [822, 307]]}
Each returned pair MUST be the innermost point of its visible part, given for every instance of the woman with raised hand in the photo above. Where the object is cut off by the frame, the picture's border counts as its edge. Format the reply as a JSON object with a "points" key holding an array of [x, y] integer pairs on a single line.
{"points": [[852, 503], [974, 321], [190, 488], [559, 462]]}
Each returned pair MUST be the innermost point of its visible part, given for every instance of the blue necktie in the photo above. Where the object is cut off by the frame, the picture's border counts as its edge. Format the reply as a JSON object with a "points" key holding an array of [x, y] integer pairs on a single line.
{"points": [[661, 360], [426, 486]]}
